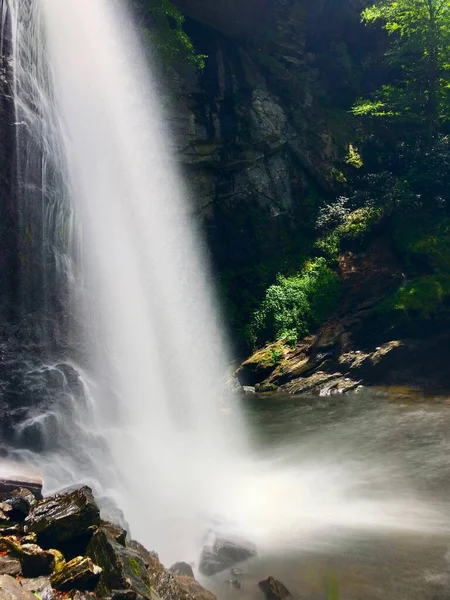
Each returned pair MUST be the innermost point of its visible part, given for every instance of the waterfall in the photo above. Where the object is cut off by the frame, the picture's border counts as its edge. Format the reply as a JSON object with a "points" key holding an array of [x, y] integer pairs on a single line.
{"points": [[112, 371], [117, 284]]}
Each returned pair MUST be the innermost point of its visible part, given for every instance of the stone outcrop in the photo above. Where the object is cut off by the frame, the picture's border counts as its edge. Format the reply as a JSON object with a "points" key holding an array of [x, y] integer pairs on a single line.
{"points": [[111, 566], [357, 346]]}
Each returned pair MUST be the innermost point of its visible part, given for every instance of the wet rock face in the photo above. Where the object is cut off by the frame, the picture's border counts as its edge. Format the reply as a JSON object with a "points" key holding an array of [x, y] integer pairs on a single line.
{"points": [[122, 567], [63, 517], [224, 554], [111, 566], [80, 573]]}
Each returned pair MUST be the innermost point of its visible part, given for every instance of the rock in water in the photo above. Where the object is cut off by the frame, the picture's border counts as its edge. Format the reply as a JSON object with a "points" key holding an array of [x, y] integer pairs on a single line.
{"points": [[63, 517], [80, 573], [183, 569], [122, 567], [223, 554], [274, 589], [10, 589]]}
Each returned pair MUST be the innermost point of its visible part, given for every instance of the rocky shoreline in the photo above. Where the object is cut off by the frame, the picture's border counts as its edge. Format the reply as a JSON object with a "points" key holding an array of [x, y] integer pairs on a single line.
{"points": [[358, 345], [59, 547]]}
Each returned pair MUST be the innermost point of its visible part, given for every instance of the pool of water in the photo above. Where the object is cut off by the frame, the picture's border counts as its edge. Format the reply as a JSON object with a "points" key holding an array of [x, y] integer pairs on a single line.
{"points": [[365, 511]]}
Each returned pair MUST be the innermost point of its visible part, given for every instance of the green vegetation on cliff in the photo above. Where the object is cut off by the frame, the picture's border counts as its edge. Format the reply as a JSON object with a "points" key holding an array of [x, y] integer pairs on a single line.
{"points": [[395, 179], [162, 23]]}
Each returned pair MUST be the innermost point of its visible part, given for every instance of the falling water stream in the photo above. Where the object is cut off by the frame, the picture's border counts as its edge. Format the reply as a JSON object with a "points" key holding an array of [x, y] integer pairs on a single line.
{"points": [[128, 380]]}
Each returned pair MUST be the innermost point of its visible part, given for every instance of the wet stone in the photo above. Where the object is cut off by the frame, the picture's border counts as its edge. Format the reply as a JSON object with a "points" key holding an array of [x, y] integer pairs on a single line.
{"points": [[79, 573], [122, 567], [64, 517]]}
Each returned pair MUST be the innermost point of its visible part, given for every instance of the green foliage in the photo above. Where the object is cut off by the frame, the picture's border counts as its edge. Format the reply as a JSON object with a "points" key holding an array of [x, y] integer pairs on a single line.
{"points": [[162, 24], [349, 226], [295, 305], [424, 243], [417, 62], [423, 296]]}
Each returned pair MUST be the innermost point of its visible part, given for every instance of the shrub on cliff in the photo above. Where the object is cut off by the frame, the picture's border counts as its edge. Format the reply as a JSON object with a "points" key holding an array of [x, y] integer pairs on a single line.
{"points": [[295, 305]]}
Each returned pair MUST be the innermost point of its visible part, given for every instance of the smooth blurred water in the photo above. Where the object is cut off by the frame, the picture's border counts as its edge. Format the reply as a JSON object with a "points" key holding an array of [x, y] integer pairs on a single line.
{"points": [[356, 495]]}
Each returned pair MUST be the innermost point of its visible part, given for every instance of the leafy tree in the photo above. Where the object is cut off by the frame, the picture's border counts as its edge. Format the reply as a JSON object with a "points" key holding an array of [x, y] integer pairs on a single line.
{"points": [[418, 90]]}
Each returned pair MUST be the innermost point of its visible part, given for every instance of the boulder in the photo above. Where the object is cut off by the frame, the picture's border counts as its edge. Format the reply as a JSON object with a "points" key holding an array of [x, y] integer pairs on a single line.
{"points": [[274, 589], [183, 569], [10, 566], [64, 517], [40, 588], [122, 567], [224, 554], [80, 573], [10, 589]]}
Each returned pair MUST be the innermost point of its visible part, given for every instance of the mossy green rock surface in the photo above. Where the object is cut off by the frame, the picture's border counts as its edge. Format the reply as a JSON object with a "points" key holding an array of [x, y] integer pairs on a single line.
{"points": [[122, 568], [79, 573]]}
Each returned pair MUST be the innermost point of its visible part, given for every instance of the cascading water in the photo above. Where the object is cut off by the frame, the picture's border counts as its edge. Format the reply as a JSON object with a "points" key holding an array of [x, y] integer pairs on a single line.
{"points": [[136, 364]]}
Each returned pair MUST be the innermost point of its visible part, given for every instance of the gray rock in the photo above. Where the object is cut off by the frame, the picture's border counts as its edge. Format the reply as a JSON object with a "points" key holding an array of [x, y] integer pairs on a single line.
{"points": [[224, 554], [79, 573], [10, 589], [122, 567], [10, 566], [63, 517], [41, 587], [182, 568]]}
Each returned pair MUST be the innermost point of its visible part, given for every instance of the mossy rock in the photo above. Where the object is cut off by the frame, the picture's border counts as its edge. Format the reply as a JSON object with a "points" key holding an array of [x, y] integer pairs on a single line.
{"points": [[79, 573], [122, 568]]}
